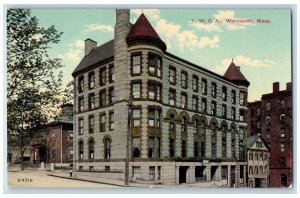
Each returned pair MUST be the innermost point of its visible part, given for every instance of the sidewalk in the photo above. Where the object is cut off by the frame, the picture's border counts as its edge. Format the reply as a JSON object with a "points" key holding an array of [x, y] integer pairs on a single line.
{"points": [[101, 180]]}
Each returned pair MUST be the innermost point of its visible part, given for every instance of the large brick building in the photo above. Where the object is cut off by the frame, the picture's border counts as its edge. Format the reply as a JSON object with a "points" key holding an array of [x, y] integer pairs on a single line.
{"points": [[272, 118], [187, 123]]}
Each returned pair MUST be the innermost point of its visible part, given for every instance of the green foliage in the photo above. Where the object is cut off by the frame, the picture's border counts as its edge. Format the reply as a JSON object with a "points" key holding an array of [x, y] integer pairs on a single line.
{"points": [[33, 89]]}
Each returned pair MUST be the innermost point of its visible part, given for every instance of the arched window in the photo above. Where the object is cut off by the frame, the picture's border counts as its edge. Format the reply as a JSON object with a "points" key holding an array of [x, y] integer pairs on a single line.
{"points": [[80, 150], [261, 169], [202, 127], [184, 124], [213, 139], [172, 123], [261, 156], [256, 170], [197, 126], [107, 148], [250, 156], [233, 144], [91, 149], [250, 170], [256, 156]]}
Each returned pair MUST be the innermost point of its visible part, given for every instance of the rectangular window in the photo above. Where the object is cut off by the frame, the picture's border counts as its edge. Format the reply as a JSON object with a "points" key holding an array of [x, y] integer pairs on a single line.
{"points": [[102, 76], [282, 162], [183, 148], [213, 108], [172, 148], [224, 93], [172, 75], [204, 86], [91, 80], [242, 115], [282, 147], [204, 105], [136, 147], [151, 117], [91, 124], [213, 90], [102, 98], [242, 98], [71, 154], [183, 100], [136, 172], [154, 91], [196, 149], [195, 103], [233, 113], [282, 103], [258, 111], [184, 79], [151, 173], [136, 90], [154, 147], [202, 149], [80, 104], [136, 64], [80, 126], [155, 65], [111, 96], [195, 82], [102, 123], [111, 121], [172, 97], [80, 84], [71, 136], [224, 111], [91, 101], [233, 97], [154, 118], [91, 168], [111, 73], [136, 114], [268, 106]]}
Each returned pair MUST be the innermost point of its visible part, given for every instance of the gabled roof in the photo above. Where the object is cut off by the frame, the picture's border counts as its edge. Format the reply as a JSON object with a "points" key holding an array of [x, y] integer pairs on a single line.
{"points": [[98, 54], [142, 28], [234, 74], [252, 139]]}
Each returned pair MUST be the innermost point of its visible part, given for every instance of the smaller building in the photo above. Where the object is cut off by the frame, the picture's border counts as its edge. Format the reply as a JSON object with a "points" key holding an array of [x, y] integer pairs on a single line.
{"points": [[258, 154]]}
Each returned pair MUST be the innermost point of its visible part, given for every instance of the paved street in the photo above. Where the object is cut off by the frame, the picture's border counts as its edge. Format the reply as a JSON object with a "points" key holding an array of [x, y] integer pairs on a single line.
{"points": [[41, 179]]}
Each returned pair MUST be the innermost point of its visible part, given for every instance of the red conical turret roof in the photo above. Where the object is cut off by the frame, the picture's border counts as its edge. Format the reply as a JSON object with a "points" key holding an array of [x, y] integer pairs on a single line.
{"points": [[142, 29], [234, 74]]}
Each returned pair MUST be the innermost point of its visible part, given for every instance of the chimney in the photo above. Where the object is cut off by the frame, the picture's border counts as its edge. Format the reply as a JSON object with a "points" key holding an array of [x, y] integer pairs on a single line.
{"points": [[289, 86], [275, 87], [89, 45]]}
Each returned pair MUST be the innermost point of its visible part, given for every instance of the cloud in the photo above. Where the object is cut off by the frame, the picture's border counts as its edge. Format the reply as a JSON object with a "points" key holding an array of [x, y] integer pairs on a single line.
{"points": [[72, 55], [99, 27], [150, 13], [243, 61], [78, 43], [205, 41]]}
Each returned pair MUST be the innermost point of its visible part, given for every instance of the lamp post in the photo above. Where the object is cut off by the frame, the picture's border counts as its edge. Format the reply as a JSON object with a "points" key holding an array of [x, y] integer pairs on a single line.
{"points": [[127, 142]]}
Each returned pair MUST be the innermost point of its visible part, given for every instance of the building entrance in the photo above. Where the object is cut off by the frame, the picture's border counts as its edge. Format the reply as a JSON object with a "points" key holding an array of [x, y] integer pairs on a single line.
{"points": [[182, 174]]}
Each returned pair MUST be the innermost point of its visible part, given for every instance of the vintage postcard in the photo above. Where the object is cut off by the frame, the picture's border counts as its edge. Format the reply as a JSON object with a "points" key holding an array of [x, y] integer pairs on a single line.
{"points": [[152, 98]]}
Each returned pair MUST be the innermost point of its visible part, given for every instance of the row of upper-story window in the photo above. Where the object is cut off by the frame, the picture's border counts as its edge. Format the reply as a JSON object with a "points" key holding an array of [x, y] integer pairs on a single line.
{"points": [[155, 69], [282, 119], [154, 93], [258, 156], [91, 123], [204, 87], [262, 170], [267, 107], [102, 78]]}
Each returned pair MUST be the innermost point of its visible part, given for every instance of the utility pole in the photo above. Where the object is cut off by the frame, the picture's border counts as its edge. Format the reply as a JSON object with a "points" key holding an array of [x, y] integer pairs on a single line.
{"points": [[127, 142]]}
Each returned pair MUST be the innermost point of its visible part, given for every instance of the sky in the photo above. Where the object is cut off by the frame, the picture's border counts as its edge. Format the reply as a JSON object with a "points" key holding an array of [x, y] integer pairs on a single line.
{"points": [[262, 50]]}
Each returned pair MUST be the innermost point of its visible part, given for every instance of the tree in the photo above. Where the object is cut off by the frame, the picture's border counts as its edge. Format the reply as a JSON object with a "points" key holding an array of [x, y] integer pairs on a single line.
{"points": [[33, 88]]}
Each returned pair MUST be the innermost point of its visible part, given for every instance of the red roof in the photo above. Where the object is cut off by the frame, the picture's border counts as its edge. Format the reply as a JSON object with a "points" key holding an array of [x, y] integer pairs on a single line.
{"points": [[233, 73], [142, 28]]}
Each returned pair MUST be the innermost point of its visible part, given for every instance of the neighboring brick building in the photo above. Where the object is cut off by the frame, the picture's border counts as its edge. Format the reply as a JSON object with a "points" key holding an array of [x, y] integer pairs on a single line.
{"points": [[188, 123], [272, 118], [258, 154], [56, 142]]}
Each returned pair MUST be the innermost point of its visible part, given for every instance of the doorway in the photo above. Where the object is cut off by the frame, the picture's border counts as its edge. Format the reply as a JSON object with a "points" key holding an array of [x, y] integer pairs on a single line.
{"points": [[182, 174]]}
